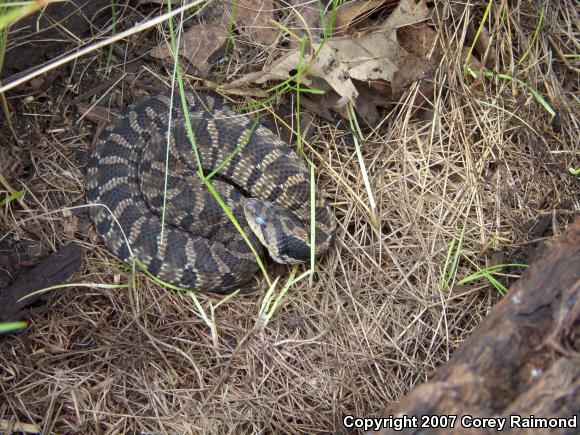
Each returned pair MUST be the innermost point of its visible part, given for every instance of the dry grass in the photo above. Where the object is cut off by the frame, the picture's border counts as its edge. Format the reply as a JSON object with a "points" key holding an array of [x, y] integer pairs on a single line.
{"points": [[377, 319]]}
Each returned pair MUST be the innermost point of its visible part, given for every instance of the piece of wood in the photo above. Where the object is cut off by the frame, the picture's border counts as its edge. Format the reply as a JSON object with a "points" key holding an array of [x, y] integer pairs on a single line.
{"points": [[52, 270], [523, 360]]}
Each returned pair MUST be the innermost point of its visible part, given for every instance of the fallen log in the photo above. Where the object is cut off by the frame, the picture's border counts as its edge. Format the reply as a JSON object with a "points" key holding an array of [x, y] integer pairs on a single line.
{"points": [[520, 367]]}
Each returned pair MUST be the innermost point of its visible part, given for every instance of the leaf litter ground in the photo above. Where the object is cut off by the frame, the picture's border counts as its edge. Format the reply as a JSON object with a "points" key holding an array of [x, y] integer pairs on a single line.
{"points": [[451, 160]]}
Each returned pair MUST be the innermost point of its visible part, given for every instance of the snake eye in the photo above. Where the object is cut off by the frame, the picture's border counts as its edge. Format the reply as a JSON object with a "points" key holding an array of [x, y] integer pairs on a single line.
{"points": [[260, 220]]}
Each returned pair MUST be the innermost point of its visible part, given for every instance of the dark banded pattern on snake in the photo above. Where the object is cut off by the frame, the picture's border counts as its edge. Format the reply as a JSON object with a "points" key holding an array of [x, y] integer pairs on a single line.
{"points": [[201, 249]]}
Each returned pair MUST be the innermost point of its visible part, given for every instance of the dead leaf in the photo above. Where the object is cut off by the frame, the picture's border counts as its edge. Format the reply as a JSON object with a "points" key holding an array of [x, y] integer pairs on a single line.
{"points": [[241, 86], [412, 69], [369, 58], [368, 69], [406, 13], [325, 66], [374, 55], [51, 270], [382, 88], [315, 107], [483, 44], [351, 12], [96, 114], [242, 90], [368, 102], [418, 39], [197, 46], [256, 18], [304, 21], [472, 61]]}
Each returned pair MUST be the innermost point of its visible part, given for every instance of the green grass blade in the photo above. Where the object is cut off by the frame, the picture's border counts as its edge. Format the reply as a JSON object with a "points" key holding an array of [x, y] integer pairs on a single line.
{"points": [[15, 14], [488, 274], [233, 15], [452, 258], [479, 30], [69, 285], [496, 284], [12, 197], [534, 38], [495, 106], [271, 302], [12, 326], [539, 98], [243, 143], [444, 273]]}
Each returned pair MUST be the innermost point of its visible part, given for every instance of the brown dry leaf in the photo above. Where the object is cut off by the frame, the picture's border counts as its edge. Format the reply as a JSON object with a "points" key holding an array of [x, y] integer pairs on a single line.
{"points": [[325, 66], [51, 270], [96, 114], [197, 45], [375, 55], [406, 13], [472, 61], [368, 102], [256, 18], [375, 60], [418, 39], [483, 44], [244, 91], [304, 21], [412, 69], [241, 86], [350, 12], [315, 107], [372, 57]]}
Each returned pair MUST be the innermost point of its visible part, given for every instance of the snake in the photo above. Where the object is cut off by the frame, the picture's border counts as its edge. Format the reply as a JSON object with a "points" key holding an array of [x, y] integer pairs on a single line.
{"points": [[197, 193]]}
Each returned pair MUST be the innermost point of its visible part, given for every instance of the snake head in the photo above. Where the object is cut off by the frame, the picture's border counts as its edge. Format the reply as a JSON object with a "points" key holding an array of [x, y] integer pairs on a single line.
{"points": [[279, 230]]}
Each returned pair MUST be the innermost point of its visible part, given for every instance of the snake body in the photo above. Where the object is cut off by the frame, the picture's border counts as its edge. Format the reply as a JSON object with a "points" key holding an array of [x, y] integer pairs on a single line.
{"points": [[180, 233]]}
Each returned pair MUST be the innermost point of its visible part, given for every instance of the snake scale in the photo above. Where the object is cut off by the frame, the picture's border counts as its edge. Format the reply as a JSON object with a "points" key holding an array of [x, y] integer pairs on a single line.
{"points": [[263, 181]]}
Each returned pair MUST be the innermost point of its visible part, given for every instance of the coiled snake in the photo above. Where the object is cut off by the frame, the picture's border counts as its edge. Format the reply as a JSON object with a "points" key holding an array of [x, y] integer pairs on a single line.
{"points": [[263, 182]]}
